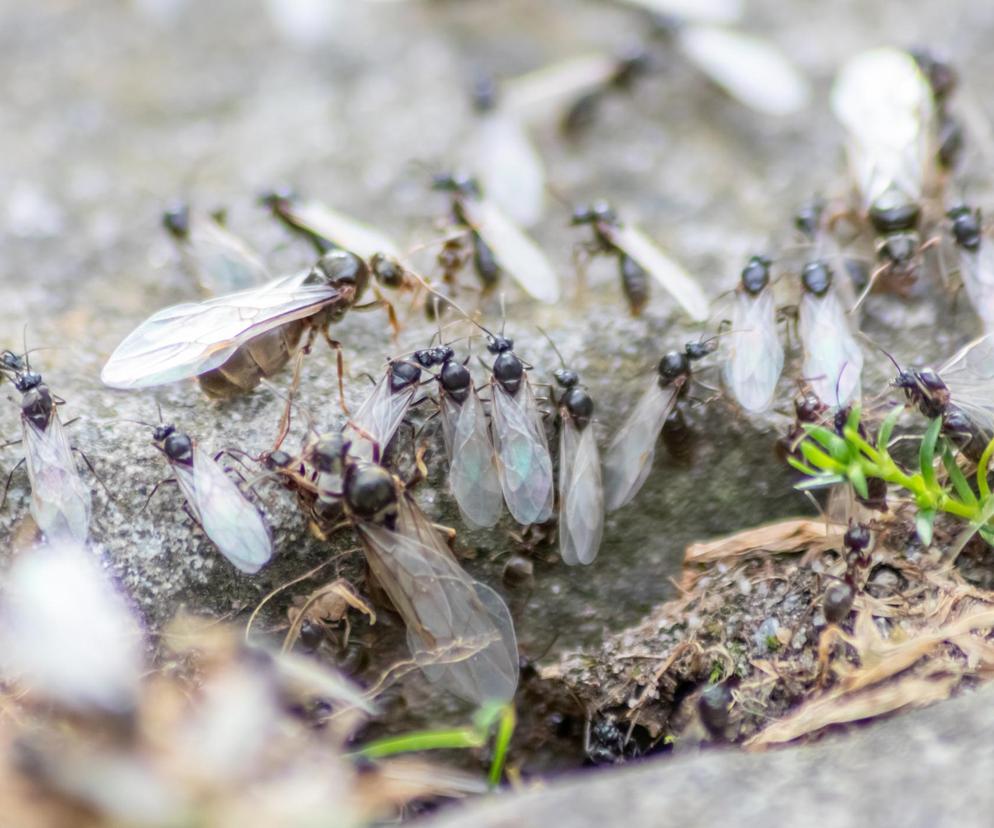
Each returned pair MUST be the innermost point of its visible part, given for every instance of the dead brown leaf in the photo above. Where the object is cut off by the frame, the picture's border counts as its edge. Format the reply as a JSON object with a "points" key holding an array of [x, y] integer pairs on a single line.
{"points": [[795, 535]]}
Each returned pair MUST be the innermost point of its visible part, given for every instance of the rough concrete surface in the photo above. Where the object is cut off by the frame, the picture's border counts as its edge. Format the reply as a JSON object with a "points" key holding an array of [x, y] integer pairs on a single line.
{"points": [[113, 109]]}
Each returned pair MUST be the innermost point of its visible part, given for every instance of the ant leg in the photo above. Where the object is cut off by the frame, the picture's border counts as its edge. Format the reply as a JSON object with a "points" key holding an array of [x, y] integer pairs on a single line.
{"points": [[336, 346], [155, 488], [93, 471], [10, 477], [869, 286]]}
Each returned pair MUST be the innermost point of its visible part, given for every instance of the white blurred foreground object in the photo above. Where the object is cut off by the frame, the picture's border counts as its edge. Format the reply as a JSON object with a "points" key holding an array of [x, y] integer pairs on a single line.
{"points": [[67, 634]]}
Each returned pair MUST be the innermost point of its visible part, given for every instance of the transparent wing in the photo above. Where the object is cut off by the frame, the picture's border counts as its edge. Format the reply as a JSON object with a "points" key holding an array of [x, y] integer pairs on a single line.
{"points": [[228, 518], [339, 229], [750, 69], [523, 462], [508, 166], [628, 460], [460, 632], [472, 465], [976, 269], [969, 375], [379, 417], [699, 11], [833, 360], [515, 252], [581, 495], [60, 502], [664, 270], [885, 104], [185, 340], [754, 353], [554, 87], [221, 261]]}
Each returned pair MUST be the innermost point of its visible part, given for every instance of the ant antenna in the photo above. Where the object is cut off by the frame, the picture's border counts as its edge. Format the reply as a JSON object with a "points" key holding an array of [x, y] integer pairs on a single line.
{"points": [[503, 314], [24, 342], [562, 361]]}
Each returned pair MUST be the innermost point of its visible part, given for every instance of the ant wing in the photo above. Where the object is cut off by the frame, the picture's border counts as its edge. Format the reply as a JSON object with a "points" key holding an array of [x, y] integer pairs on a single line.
{"points": [[379, 417], [220, 260], [629, 456], [185, 340], [754, 353], [523, 461], [664, 270], [581, 494], [969, 376], [460, 632], [515, 252], [509, 167], [228, 518], [553, 87], [750, 69], [473, 475], [694, 11], [336, 229], [60, 502], [885, 104], [976, 271], [833, 360]]}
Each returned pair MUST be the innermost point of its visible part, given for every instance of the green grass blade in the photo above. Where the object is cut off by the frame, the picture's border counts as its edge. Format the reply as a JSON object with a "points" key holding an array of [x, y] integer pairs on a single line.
{"points": [[957, 478], [887, 428], [502, 741], [461, 737], [926, 454], [982, 466]]}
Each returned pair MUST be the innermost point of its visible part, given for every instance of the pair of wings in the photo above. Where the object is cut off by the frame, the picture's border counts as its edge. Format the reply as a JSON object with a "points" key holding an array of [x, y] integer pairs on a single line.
{"points": [[524, 465], [459, 631], [754, 356], [581, 493], [629, 456], [473, 476], [885, 103], [833, 360], [60, 501], [666, 271], [186, 340], [228, 518]]}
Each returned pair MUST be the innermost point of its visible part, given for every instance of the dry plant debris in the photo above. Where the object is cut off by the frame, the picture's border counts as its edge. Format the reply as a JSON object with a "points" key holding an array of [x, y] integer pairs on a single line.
{"points": [[749, 627]]}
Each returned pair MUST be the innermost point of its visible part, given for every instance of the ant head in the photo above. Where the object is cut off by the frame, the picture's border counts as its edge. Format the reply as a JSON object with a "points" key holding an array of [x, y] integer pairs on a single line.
{"points": [[700, 349], [162, 432], [176, 219], [498, 343], [456, 182], [808, 217], [566, 377], [27, 380]]}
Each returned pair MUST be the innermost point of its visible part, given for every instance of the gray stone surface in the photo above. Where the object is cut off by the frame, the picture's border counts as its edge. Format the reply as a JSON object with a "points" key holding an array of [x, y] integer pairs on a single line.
{"points": [[924, 769]]}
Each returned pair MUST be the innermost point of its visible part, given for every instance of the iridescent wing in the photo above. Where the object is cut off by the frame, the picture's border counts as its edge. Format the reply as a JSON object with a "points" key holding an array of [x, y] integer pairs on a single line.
{"points": [[379, 417], [885, 104], [628, 460], [833, 360], [581, 494], [473, 475], [60, 502], [523, 462], [228, 518], [340, 230], [459, 631], [505, 161], [221, 262], [515, 252], [754, 353], [667, 272], [186, 340], [750, 69]]}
